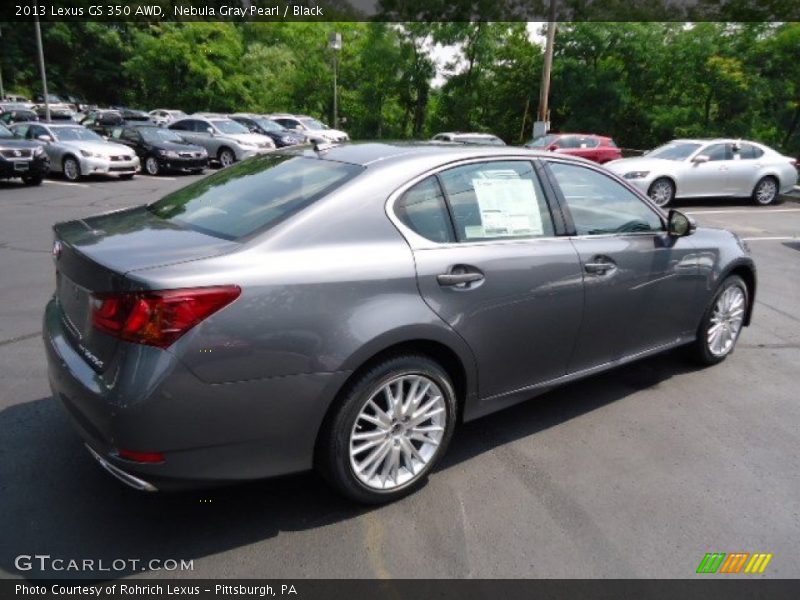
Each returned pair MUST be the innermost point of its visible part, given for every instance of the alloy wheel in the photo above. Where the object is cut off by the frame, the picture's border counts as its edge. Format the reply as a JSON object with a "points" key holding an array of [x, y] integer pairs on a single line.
{"points": [[726, 321], [71, 169], [398, 432], [226, 158], [661, 192], [151, 165], [766, 191]]}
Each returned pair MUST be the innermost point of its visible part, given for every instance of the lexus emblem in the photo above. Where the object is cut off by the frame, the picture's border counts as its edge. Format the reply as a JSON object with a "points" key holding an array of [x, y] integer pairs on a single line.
{"points": [[57, 249], [17, 153]]}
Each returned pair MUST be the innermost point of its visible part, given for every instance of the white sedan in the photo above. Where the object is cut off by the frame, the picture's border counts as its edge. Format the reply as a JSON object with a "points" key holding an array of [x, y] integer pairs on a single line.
{"points": [[708, 168]]}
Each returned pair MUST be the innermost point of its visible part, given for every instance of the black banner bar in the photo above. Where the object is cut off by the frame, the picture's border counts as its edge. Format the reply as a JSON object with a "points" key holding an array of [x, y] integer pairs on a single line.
{"points": [[733, 588], [400, 10]]}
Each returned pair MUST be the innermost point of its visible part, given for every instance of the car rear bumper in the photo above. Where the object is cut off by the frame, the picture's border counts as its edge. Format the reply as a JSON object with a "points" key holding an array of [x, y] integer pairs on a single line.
{"points": [[210, 434]]}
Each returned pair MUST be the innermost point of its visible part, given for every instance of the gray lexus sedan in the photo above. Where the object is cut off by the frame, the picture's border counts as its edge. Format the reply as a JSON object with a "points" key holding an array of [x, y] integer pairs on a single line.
{"points": [[344, 308]]}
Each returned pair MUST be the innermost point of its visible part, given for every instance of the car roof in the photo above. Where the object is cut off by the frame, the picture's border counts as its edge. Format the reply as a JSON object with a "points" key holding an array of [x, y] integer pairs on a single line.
{"points": [[394, 153], [469, 133]]}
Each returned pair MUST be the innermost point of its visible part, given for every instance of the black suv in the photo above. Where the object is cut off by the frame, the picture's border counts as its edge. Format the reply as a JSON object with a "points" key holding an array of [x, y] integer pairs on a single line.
{"points": [[21, 158]]}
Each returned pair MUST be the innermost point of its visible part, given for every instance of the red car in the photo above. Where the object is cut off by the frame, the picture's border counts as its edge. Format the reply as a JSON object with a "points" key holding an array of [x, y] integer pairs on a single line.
{"points": [[598, 148]]}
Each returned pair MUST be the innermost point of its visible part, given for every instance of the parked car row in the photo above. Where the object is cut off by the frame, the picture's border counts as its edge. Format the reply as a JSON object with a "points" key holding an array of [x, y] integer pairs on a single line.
{"points": [[687, 168]]}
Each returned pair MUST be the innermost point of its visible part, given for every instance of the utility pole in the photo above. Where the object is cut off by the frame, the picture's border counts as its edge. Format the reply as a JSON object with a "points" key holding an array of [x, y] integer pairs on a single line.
{"points": [[542, 124], [41, 63], [335, 44], [2, 91]]}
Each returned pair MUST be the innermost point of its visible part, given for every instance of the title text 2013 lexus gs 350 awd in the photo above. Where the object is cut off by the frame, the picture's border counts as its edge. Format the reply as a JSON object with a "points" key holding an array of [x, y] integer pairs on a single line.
{"points": [[345, 308]]}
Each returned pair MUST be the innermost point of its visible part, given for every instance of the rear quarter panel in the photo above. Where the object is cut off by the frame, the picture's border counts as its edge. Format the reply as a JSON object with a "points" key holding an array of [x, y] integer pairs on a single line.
{"points": [[321, 293]]}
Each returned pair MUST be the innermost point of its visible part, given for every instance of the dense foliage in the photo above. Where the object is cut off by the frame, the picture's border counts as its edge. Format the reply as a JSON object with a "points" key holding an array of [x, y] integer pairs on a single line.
{"points": [[640, 82]]}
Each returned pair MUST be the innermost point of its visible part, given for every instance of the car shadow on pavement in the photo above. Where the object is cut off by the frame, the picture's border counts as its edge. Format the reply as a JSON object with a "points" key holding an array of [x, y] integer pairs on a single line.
{"points": [[54, 500], [562, 404]]}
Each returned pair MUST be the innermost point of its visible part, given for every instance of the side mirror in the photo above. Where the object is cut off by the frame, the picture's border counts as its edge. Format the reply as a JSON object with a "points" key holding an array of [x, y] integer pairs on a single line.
{"points": [[679, 224], [44, 138], [700, 158], [552, 148], [210, 130]]}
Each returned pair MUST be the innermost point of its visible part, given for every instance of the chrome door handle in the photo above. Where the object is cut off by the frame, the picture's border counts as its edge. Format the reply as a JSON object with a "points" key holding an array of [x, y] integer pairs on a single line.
{"points": [[601, 268], [450, 279]]}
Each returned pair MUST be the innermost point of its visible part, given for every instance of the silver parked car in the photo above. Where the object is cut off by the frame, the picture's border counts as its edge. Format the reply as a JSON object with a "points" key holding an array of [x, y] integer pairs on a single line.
{"points": [[480, 139], [225, 140], [709, 168], [346, 308], [76, 151], [313, 129]]}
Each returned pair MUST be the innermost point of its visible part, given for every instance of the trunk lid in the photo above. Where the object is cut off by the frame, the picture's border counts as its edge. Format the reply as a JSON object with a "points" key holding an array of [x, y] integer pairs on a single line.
{"points": [[93, 256]]}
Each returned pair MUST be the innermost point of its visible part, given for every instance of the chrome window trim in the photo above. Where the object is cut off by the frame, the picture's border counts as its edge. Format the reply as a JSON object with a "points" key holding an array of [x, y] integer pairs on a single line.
{"points": [[418, 242]]}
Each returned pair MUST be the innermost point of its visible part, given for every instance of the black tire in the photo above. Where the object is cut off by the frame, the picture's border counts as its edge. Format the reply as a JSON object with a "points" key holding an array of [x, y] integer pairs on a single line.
{"points": [[766, 191], [151, 166], [71, 168], [333, 447], [35, 180], [662, 191], [226, 157], [699, 350]]}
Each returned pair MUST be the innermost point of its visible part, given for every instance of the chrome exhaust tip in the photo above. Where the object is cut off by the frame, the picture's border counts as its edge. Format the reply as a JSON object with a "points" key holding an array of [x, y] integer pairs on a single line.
{"points": [[126, 478]]}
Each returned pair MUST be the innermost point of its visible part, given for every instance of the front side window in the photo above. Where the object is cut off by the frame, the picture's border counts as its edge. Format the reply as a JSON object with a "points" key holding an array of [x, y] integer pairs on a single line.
{"points": [[423, 210], [599, 205], [496, 200], [253, 195], [718, 152]]}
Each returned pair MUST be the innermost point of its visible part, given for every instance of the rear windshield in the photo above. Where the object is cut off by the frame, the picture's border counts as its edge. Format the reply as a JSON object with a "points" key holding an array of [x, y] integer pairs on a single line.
{"points": [[253, 195]]}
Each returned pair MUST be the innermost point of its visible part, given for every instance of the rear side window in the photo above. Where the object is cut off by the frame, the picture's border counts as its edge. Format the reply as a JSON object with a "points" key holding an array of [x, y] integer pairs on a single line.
{"points": [[253, 195], [422, 209], [750, 152], [496, 200]]}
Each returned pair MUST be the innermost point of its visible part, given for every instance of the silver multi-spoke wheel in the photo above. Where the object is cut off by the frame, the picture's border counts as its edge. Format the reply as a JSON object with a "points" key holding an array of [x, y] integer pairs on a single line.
{"points": [[226, 158], [726, 321], [398, 432], [661, 192], [766, 191], [72, 170], [151, 166]]}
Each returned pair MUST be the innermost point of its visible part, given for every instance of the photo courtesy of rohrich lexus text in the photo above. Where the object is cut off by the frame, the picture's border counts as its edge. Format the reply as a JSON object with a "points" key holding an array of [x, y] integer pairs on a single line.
{"points": [[399, 299]]}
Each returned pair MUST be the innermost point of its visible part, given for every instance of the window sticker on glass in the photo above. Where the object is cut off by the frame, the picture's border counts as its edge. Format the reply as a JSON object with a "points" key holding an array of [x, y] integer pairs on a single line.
{"points": [[507, 207]]}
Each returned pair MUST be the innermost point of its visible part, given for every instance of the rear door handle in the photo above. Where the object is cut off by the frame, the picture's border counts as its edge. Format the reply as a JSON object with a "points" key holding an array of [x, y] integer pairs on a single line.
{"points": [[463, 279]]}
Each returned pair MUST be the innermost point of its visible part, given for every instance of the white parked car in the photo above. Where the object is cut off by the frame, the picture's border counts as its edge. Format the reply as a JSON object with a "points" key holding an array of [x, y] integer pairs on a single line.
{"points": [[313, 129], [76, 151], [164, 116], [695, 168]]}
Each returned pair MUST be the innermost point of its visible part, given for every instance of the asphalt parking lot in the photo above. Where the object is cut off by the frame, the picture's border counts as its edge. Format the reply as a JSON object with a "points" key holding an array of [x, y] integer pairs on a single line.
{"points": [[635, 473]]}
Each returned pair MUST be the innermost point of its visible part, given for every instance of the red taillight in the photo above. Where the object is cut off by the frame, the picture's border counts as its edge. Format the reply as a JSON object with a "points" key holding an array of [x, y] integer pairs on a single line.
{"points": [[158, 318], [142, 457]]}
